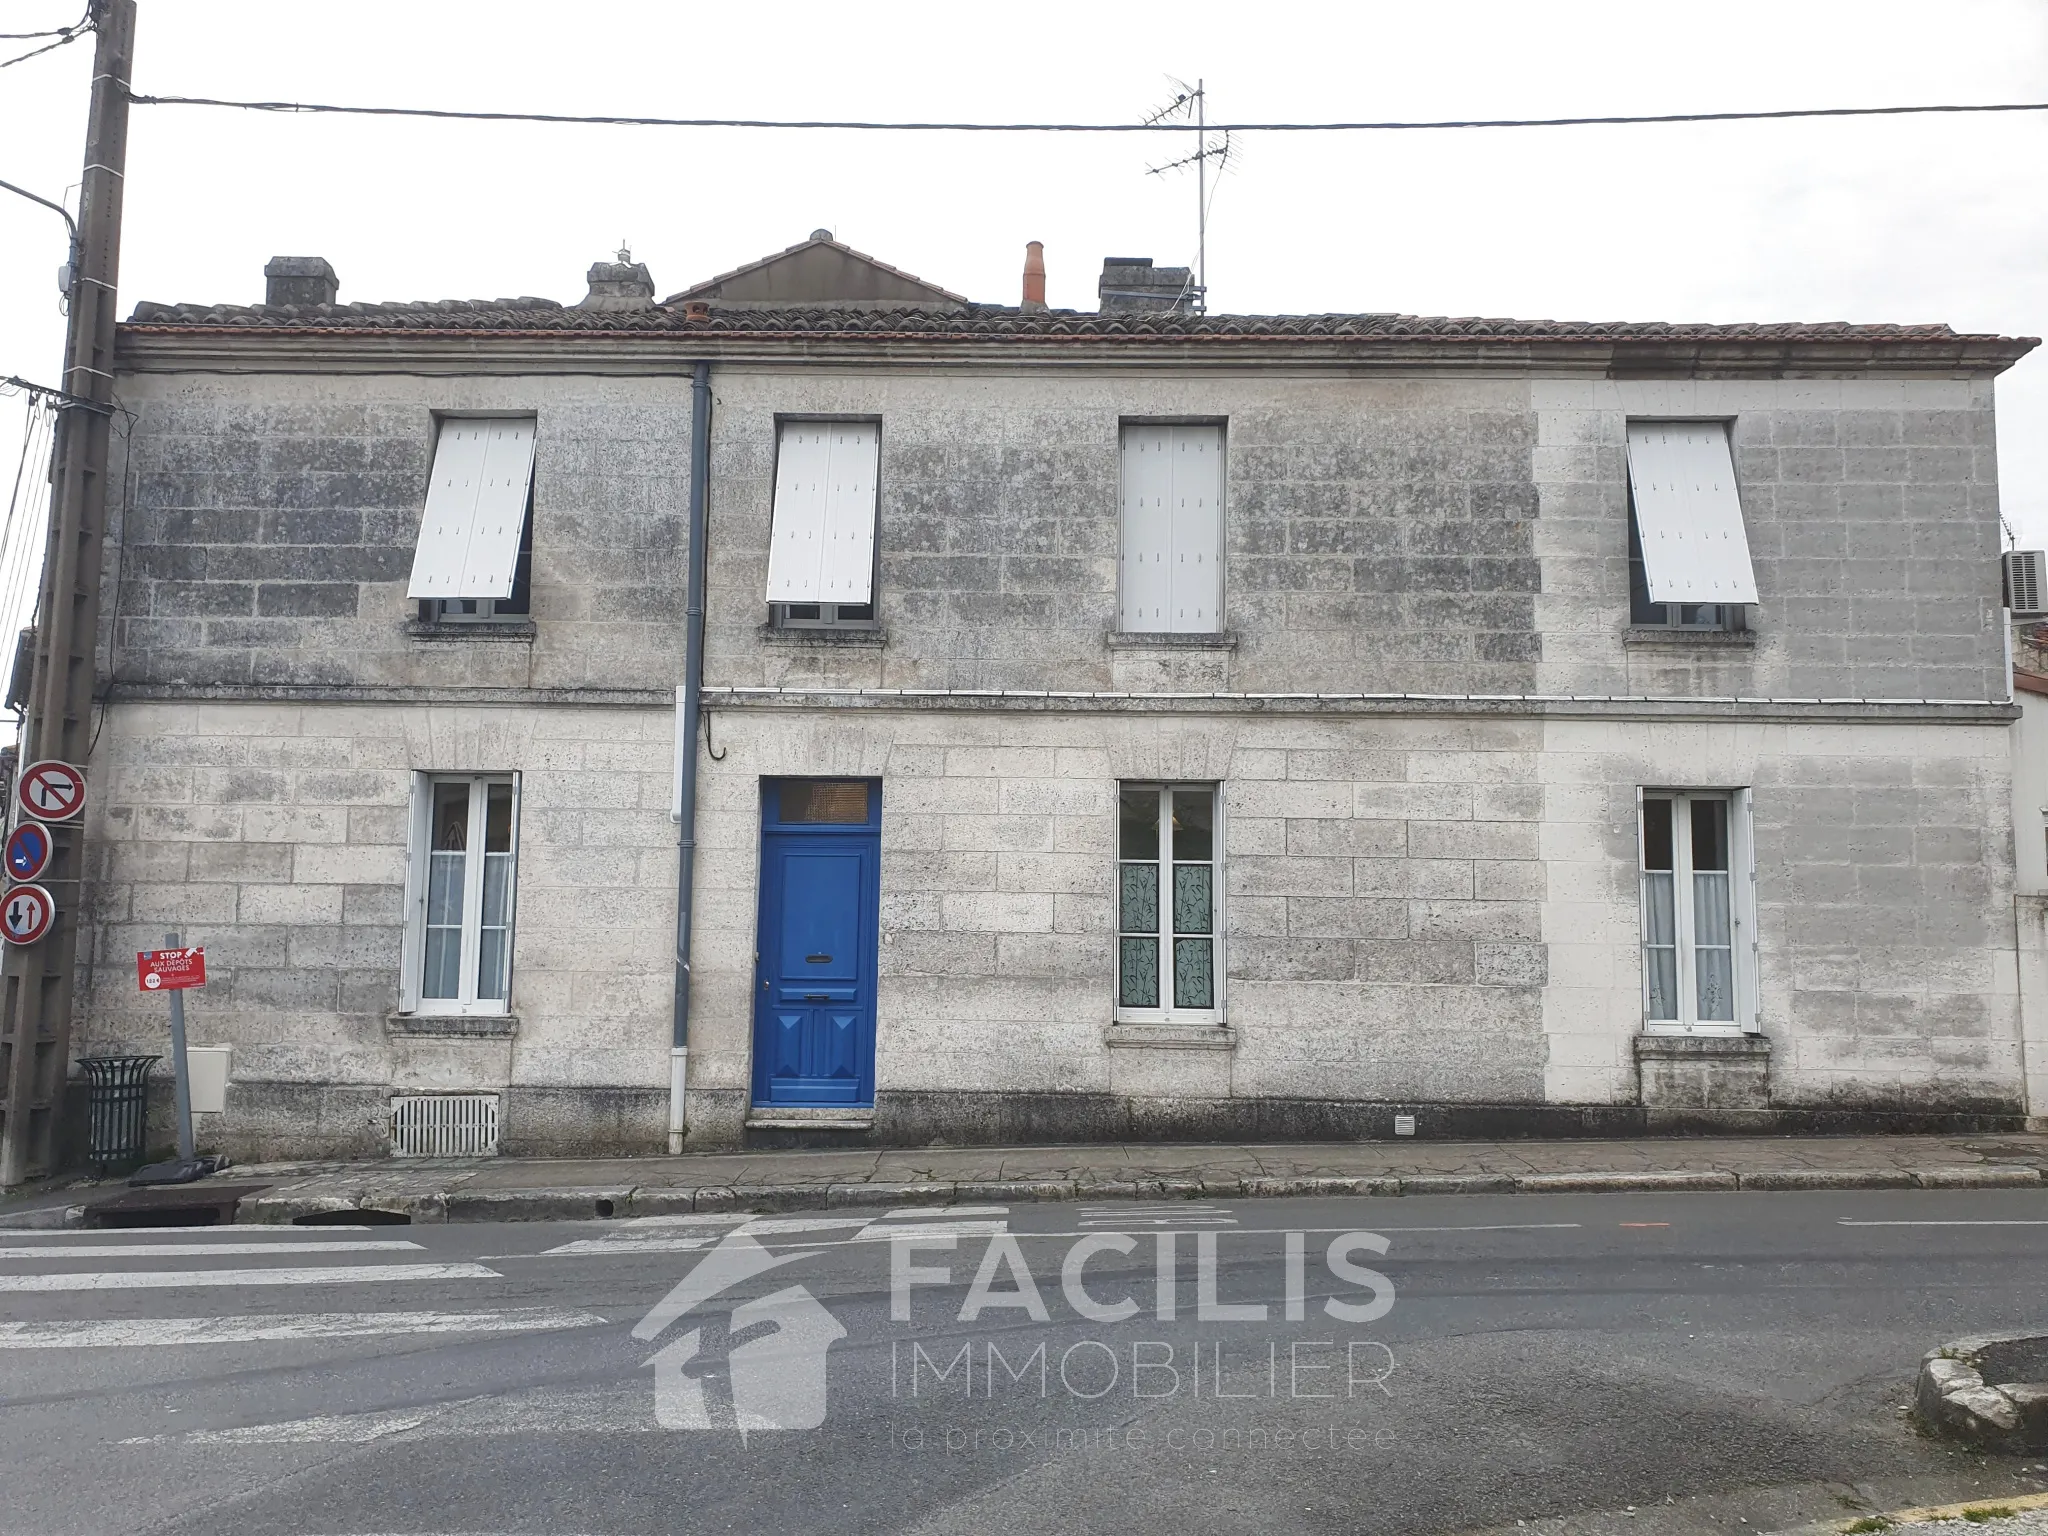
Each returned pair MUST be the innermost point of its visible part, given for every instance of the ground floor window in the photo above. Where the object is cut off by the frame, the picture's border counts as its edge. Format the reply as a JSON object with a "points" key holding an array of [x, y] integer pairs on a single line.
{"points": [[461, 891], [1168, 892], [1698, 950]]}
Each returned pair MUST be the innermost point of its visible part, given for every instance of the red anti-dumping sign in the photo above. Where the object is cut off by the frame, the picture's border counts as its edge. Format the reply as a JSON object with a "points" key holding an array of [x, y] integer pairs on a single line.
{"points": [[160, 969]]}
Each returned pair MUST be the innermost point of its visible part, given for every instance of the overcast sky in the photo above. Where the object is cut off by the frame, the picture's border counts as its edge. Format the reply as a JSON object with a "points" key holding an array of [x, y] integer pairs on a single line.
{"points": [[1917, 219]]}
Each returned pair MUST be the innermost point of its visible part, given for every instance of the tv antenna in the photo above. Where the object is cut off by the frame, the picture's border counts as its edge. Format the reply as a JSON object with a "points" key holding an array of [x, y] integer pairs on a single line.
{"points": [[1192, 102]]}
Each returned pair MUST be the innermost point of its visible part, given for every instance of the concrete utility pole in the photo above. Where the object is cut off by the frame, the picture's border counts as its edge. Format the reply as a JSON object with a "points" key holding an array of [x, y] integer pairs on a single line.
{"points": [[35, 1008]]}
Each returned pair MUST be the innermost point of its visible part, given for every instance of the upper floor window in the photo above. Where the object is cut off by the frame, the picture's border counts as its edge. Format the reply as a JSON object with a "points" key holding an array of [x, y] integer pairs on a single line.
{"points": [[475, 553], [821, 550], [458, 938], [1171, 566], [1689, 565]]}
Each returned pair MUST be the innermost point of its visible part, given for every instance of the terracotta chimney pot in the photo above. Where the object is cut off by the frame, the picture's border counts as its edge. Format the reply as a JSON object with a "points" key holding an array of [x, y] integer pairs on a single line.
{"points": [[1034, 275]]}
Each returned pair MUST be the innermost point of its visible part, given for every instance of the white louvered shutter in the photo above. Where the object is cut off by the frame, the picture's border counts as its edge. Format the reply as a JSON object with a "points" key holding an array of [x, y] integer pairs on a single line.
{"points": [[796, 535], [847, 569], [1146, 577], [1196, 565], [1688, 514], [476, 508]]}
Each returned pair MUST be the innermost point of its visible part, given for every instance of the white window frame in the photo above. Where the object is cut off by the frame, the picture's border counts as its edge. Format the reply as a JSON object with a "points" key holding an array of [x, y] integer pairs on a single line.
{"points": [[1166, 1013], [1742, 913], [418, 866], [479, 488], [828, 607], [1165, 516]]}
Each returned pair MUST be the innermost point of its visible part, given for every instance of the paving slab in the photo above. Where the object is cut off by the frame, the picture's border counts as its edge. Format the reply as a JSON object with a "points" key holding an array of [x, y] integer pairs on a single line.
{"points": [[583, 1188]]}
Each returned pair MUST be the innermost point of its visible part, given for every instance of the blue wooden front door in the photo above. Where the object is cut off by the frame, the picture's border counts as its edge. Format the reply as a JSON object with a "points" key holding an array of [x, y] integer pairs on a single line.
{"points": [[814, 996]]}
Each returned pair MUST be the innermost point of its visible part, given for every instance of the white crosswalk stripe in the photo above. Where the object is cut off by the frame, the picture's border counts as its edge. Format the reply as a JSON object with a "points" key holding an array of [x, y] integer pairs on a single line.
{"points": [[285, 1327], [178, 1279], [642, 1236], [176, 1250]]}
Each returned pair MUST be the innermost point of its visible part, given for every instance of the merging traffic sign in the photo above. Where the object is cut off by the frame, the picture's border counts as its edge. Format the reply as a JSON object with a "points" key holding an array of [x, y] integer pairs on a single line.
{"points": [[28, 850], [51, 791], [26, 912], [166, 970]]}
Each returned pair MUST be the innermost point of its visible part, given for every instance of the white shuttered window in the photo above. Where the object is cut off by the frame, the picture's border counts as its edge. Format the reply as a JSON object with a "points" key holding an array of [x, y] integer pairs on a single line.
{"points": [[1171, 576], [476, 508], [1688, 514], [822, 539]]}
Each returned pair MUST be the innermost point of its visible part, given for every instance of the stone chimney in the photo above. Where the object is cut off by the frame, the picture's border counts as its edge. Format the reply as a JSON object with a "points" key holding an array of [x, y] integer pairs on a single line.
{"points": [[1034, 277], [301, 280], [621, 284], [1132, 285]]}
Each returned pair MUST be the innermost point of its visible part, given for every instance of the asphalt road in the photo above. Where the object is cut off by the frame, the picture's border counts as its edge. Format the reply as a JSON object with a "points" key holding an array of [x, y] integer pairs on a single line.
{"points": [[1709, 1360]]}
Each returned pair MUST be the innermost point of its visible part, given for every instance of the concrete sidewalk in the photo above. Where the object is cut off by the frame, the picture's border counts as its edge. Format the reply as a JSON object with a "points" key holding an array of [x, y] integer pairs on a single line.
{"points": [[509, 1189]]}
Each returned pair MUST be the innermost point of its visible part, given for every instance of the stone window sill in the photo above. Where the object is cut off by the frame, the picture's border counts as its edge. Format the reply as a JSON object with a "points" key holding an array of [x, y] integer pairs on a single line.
{"points": [[1171, 1037], [1119, 640], [1657, 636], [452, 1026], [869, 636], [1658, 1043], [521, 630]]}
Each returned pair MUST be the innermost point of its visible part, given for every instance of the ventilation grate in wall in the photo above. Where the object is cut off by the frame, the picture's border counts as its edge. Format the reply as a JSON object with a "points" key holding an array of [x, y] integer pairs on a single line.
{"points": [[445, 1125]]}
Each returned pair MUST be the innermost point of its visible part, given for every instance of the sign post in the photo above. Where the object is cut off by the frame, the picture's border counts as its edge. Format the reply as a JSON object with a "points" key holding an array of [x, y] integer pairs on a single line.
{"points": [[172, 970]]}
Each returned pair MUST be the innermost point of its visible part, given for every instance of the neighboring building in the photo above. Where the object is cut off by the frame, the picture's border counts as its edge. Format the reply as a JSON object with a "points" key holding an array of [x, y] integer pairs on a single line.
{"points": [[1127, 724], [2027, 606]]}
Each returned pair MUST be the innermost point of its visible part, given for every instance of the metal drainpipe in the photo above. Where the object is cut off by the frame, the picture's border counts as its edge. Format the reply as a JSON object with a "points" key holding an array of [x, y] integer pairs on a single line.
{"points": [[686, 748]]}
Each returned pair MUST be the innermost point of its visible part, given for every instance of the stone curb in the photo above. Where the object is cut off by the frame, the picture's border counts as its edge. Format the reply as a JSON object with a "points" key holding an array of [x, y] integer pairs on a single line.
{"points": [[538, 1204], [1778, 1179], [590, 1204], [1601, 1183]]}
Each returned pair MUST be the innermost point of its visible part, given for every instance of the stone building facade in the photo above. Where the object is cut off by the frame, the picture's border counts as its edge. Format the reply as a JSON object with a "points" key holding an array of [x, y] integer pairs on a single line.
{"points": [[1427, 749]]}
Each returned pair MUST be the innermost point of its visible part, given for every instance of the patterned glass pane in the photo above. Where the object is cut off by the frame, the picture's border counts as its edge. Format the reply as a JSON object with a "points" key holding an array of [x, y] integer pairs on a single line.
{"points": [[1138, 973], [1191, 898], [1194, 973], [840, 801], [1138, 899]]}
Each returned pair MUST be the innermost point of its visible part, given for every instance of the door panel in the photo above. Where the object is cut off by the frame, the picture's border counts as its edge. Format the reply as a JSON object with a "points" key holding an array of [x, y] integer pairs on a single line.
{"points": [[814, 1036]]}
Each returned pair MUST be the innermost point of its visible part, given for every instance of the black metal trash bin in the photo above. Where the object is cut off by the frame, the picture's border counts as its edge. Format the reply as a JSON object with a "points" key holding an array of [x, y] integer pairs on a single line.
{"points": [[118, 1107]]}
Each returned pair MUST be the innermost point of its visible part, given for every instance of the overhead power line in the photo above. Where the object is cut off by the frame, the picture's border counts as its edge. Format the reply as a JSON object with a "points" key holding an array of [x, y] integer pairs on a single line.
{"points": [[1146, 127]]}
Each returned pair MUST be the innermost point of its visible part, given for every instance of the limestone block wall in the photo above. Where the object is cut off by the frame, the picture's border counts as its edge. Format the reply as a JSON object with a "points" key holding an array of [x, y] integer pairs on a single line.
{"points": [[1871, 507], [1887, 974], [276, 836]]}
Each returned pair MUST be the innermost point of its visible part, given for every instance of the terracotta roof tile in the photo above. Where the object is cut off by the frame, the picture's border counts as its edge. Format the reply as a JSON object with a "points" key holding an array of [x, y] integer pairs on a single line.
{"points": [[995, 321]]}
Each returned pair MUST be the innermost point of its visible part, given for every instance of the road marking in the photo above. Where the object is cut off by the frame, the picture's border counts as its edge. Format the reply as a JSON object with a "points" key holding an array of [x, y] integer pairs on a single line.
{"points": [[1643, 1223], [152, 1250], [947, 1212], [1847, 1222], [285, 1327], [583, 1247], [243, 1233], [768, 1226], [682, 1219], [1183, 1214], [878, 1233], [329, 1429], [178, 1279]]}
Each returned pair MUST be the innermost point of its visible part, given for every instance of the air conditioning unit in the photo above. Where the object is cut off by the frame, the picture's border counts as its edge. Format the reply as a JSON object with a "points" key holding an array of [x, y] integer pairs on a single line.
{"points": [[2026, 582]]}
